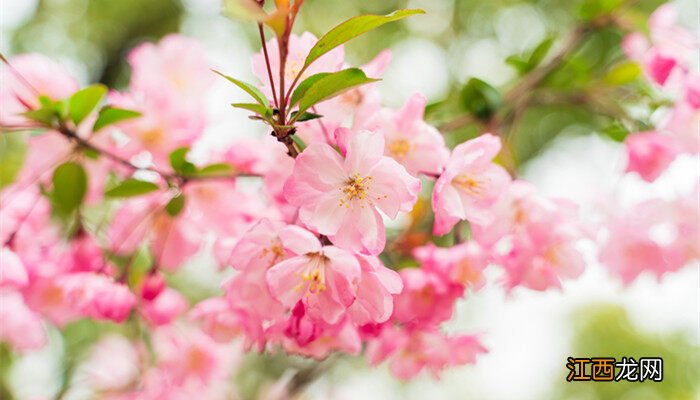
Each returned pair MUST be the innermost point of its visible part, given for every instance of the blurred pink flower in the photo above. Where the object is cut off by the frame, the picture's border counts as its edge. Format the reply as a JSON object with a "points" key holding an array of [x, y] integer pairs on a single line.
{"points": [[46, 77], [12, 271], [21, 328], [650, 153], [299, 47], [97, 296], [411, 351], [165, 308]]}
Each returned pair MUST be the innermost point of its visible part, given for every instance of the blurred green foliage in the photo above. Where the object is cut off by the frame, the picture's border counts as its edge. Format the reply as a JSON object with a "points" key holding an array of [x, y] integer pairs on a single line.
{"points": [[606, 331]]}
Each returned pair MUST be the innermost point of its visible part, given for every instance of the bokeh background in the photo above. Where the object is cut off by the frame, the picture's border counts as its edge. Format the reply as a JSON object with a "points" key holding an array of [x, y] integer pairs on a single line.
{"points": [[566, 141]]}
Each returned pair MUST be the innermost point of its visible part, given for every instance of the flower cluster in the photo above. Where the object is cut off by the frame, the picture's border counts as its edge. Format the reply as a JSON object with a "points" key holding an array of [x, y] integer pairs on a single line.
{"points": [[111, 204]]}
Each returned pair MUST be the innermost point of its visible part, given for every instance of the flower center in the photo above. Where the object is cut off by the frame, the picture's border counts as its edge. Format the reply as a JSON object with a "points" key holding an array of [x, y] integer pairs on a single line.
{"points": [[399, 148], [153, 137], [275, 251], [469, 184], [314, 275], [356, 187]]}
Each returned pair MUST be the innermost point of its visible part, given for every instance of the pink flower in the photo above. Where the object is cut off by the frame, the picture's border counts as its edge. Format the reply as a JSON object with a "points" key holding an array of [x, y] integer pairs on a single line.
{"points": [[685, 117], [173, 239], [309, 337], [650, 153], [299, 47], [165, 308], [375, 303], [86, 254], [652, 236], [224, 323], [323, 277], [669, 53], [153, 285], [462, 264], [172, 74], [418, 146], [427, 298], [113, 364], [470, 184], [534, 238], [46, 76], [187, 357], [340, 197], [12, 271], [97, 296], [412, 351], [353, 108], [21, 328]]}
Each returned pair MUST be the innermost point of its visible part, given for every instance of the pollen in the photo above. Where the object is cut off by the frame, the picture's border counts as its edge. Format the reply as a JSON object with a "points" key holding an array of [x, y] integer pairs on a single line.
{"points": [[356, 188], [399, 148], [275, 251], [313, 277], [469, 184]]}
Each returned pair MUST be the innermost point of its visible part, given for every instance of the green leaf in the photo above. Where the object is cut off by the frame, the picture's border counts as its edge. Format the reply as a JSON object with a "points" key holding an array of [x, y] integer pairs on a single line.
{"points": [[254, 107], [623, 73], [480, 98], [332, 85], [540, 52], [110, 115], [218, 169], [616, 131], [351, 29], [131, 187], [45, 115], [69, 186], [82, 102], [254, 92], [178, 160], [517, 62], [175, 205], [13, 149], [304, 86], [300, 143], [307, 116]]}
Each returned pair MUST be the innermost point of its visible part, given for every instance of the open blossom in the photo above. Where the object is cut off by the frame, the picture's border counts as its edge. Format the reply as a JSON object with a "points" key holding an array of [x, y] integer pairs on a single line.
{"points": [[299, 47], [323, 277], [427, 298], [409, 140], [375, 303], [340, 197], [534, 238], [411, 351], [470, 184], [650, 153], [97, 296], [462, 264]]}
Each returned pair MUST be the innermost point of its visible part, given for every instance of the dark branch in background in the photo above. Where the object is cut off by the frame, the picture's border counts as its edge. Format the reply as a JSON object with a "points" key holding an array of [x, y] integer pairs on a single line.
{"points": [[167, 176]]}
